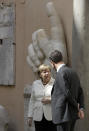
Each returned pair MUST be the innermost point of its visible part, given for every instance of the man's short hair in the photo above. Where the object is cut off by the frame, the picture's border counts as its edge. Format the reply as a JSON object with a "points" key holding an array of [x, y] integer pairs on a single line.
{"points": [[56, 56]]}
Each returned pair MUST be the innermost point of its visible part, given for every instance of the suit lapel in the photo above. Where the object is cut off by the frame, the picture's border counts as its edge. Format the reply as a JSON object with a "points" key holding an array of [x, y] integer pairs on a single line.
{"points": [[52, 90]]}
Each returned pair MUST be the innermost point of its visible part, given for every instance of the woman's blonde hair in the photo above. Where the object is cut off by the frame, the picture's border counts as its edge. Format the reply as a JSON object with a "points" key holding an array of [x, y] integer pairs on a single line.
{"points": [[43, 67]]}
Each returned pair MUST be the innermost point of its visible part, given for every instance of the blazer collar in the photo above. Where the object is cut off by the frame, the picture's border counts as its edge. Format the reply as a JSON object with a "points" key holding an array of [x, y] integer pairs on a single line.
{"points": [[49, 83]]}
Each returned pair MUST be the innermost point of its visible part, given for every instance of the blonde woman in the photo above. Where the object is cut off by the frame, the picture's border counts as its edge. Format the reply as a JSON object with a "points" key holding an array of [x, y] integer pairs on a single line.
{"points": [[40, 102]]}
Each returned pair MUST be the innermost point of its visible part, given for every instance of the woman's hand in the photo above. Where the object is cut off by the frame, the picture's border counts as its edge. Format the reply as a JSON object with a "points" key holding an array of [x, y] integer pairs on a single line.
{"points": [[46, 100]]}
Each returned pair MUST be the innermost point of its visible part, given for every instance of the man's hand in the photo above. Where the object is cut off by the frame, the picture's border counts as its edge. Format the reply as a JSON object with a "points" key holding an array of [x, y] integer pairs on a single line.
{"points": [[41, 47], [29, 121], [81, 114]]}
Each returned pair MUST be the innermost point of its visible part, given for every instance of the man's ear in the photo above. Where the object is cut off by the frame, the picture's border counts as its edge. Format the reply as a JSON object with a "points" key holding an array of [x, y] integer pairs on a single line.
{"points": [[53, 63]]}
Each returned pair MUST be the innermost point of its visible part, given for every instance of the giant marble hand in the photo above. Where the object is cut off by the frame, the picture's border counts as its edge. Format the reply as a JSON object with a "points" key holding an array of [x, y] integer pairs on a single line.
{"points": [[41, 47]]}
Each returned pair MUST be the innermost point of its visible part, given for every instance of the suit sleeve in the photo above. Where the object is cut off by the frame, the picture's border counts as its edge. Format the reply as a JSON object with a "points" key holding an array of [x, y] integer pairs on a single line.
{"points": [[67, 92], [81, 98]]}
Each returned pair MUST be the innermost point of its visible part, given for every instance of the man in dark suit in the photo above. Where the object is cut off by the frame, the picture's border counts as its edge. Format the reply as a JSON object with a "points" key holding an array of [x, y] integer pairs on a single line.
{"points": [[67, 95]]}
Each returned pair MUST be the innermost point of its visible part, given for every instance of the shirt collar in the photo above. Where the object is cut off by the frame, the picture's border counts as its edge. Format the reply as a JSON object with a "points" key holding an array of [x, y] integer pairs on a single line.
{"points": [[60, 67]]}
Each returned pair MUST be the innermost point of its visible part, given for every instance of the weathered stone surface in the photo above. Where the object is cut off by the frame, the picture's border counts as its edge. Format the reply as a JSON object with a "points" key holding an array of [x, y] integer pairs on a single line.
{"points": [[7, 46], [6, 20], [80, 55]]}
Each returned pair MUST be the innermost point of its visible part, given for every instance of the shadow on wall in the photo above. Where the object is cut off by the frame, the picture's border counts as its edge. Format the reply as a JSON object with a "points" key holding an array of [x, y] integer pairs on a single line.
{"points": [[11, 127]]}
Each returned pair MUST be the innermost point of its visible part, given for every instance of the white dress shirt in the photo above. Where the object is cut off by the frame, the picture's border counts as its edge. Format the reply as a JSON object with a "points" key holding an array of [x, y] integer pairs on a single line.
{"points": [[36, 107], [60, 67]]}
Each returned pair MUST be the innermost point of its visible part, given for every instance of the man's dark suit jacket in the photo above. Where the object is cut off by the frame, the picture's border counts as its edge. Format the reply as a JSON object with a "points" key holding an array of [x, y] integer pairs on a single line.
{"points": [[66, 94]]}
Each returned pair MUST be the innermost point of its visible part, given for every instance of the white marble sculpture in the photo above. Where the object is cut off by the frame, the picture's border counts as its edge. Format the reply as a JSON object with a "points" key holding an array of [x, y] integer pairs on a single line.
{"points": [[40, 48], [4, 119]]}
